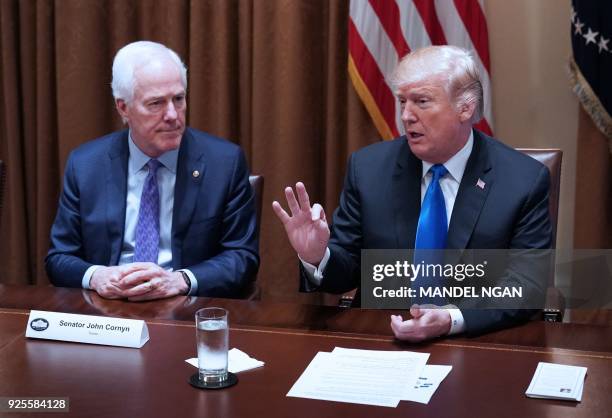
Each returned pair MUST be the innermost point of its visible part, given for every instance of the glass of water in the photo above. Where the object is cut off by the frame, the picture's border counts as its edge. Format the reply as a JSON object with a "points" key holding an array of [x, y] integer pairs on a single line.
{"points": [[212, 338]]}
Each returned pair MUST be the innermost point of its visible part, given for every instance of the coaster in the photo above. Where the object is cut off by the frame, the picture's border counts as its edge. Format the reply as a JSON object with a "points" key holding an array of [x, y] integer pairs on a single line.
{"points": [[231, 380]]}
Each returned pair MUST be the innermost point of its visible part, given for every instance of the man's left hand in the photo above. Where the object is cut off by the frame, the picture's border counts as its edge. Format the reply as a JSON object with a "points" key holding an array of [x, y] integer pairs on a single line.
{"points": [[152, 282], [426, 323]]}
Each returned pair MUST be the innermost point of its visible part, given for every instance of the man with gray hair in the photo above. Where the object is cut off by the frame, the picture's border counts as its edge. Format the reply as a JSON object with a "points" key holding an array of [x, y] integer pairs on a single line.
{"points": [[158, 209], [443, 185]]}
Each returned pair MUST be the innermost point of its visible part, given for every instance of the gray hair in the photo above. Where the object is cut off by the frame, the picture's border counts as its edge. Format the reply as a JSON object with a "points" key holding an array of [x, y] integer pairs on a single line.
{"points": [[137, 55], [454, 64]]}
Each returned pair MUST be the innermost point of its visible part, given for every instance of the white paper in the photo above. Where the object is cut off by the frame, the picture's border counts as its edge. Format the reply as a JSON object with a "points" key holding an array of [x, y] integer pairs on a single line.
{"points": [[557, 381], [426, 385], [237, 361], [87, 329], [367, 377]]}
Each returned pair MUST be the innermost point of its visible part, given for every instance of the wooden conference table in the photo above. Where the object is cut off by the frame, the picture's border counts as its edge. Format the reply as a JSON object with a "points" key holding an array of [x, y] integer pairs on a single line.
{"points": [[489, 377]]}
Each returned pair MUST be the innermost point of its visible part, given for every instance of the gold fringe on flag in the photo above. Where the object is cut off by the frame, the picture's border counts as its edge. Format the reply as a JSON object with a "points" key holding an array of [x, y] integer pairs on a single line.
{"points": [[590, 101], [370, 104]]}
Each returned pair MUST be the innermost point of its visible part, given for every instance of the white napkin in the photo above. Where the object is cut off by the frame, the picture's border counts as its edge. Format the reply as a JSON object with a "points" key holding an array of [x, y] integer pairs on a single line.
{"points": [[237, 361]]}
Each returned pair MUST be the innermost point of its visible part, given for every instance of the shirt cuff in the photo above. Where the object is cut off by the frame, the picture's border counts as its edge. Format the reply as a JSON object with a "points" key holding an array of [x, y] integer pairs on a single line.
{"points": [[457, 321], [193, 289], [87, 276], [314, 273]]}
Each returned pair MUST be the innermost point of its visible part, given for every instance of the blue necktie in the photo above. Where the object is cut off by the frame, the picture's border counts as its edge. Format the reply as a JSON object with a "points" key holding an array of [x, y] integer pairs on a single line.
{"points": [[432, 229], [147, 228], [431, 234]]}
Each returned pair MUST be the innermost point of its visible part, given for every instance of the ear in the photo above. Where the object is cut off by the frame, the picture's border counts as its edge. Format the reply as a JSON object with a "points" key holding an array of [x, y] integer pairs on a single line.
{"points": [[466, 111], [122, 106]]}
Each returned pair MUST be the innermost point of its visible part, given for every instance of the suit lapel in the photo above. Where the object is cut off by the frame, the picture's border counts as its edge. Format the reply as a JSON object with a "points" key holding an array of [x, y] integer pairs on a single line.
{"points": [[406, 192], [473, 190], [116, 190], [190, 172]]}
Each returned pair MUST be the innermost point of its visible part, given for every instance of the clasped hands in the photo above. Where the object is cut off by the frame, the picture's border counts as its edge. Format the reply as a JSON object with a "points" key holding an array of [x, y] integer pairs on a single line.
{"points": [[308, 233], [137, 282]]}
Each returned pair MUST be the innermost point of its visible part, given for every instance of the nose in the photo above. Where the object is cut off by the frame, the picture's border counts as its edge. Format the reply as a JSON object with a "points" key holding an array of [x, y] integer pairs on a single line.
{"points": [[170, 114], [408, 115]]}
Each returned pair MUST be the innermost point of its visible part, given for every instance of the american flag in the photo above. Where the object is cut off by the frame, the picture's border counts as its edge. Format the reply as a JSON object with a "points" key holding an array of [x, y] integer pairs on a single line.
{"points": [[591, 63], [381, 32]]}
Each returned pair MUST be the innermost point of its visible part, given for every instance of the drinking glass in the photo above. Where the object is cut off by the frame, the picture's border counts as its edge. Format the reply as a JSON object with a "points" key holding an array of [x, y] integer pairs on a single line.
{"points": [[212, 337]]}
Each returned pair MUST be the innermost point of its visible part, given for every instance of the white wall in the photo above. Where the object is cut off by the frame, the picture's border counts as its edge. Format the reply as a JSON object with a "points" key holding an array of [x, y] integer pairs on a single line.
{"points": [[533, 105]]}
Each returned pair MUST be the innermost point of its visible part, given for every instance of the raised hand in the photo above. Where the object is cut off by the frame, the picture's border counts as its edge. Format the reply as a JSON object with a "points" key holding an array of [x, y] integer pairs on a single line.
{"points": [[306, 227]]}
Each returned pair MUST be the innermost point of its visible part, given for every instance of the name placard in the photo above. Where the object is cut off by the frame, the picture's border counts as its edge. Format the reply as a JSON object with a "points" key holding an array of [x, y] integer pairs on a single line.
{"points": [[87, 329]]}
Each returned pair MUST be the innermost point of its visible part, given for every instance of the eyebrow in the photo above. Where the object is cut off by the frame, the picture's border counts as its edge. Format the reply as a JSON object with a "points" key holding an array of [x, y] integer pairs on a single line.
{"points": [[154, 98], [418, 91], [421, 91]]}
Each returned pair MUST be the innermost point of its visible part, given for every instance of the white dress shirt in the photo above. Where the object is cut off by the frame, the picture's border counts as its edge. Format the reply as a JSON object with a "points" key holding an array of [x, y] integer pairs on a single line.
{"points": [[450, 186], [166, 177]]}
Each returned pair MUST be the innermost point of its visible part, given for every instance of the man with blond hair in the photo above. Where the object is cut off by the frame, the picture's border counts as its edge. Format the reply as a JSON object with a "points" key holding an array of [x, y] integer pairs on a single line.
{"points": [[442, 185]]}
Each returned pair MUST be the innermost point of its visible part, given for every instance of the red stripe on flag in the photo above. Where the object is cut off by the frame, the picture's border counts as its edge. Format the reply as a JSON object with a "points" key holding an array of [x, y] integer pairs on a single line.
{"points": [[372, 77], [483, 126], [476, 25], [389, 15], [427, 10]]}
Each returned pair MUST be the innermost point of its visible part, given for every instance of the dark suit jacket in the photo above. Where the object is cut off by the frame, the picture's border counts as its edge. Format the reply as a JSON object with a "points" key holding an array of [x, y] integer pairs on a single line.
{"points": [[380, 205], [213, 224]]}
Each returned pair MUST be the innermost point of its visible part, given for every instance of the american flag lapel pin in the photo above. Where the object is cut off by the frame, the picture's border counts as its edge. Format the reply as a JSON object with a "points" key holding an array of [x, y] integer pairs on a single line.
{"points": [[480, 184]]}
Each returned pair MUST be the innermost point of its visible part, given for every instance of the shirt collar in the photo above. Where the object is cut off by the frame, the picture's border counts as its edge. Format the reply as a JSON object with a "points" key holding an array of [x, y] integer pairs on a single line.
{"points": [[457, 163], [139, 159]]}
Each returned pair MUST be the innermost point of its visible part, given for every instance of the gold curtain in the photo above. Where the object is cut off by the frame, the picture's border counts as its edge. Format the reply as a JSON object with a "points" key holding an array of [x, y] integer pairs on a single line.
{"points": [[593, 219], [269, 75]]}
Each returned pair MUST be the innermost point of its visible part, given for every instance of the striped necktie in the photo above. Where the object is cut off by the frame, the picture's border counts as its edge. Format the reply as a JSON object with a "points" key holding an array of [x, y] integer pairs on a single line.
{"points": [[147, 228]]}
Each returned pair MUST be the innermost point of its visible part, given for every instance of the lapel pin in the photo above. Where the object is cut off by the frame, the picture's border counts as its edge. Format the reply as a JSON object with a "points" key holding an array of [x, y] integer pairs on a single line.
{"points": [[480, 184], [195, 174]]}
